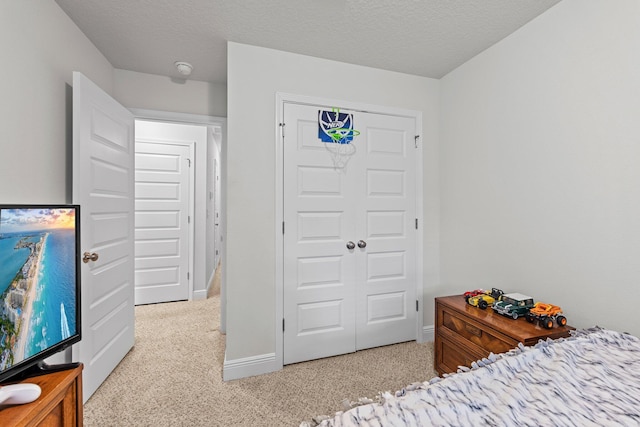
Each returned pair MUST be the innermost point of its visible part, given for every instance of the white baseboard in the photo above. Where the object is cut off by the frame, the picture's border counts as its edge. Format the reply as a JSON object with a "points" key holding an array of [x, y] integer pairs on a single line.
{"points": [[249, 366], [201, 294], [428, 333], [264, 363]]}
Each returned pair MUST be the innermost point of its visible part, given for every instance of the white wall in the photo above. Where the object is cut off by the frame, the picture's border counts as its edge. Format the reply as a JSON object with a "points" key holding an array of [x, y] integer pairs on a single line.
{"points": [[540, 164], [153, 92], [254, 76], [41, 48]]}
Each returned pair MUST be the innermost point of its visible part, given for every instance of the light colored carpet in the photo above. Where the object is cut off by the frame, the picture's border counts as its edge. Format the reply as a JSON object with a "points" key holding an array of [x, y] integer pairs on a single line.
{"points": [[173, 377]]}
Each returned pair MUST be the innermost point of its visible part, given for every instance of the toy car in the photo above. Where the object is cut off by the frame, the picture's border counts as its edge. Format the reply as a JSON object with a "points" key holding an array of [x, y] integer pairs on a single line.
{"points": [[513, 305], [485, 300], [470, 294], [546, 314]]}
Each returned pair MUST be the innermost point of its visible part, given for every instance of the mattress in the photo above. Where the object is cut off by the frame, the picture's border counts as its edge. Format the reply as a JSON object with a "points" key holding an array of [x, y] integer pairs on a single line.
{"points": [[589, 379]]}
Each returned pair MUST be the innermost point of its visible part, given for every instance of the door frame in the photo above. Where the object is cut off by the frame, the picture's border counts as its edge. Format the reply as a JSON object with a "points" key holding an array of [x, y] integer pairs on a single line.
{"points": [[200, 250], [192, 202], [288, 98]]}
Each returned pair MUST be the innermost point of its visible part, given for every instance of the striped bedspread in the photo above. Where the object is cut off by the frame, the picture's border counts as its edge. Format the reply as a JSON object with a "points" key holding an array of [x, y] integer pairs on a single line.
{"points": [[589, 379]]}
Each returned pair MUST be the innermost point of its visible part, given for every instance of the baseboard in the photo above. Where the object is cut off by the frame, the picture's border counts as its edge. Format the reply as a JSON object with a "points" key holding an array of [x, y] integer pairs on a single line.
{"points": [[249, 366], [264, 363], [201, 294], [428, 333]]}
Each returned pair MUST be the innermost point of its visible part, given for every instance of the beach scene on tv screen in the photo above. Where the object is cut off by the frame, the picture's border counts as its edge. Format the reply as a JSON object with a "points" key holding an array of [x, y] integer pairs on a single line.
{"points": [[37, 281]]}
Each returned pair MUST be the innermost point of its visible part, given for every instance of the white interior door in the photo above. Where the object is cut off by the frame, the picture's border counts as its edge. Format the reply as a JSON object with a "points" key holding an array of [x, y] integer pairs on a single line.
{"points": [[336, 299], [103, 155], [319, 270], [386, 223], [162, 193]]}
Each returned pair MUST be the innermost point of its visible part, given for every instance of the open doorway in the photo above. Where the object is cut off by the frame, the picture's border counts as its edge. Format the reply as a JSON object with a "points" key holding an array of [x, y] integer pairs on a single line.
{"points": [[179, 215], [164, 209]]}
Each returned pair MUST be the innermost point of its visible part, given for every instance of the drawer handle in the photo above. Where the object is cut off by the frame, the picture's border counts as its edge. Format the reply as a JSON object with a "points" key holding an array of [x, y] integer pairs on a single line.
{"points": [[473, 330]]}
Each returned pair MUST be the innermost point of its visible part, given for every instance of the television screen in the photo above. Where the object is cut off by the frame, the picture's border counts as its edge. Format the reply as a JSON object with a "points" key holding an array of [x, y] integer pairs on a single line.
{"points": [[39, 283]]}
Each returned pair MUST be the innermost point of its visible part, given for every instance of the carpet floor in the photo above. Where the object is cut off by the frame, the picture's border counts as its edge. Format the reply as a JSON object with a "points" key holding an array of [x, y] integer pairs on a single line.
{"points": [[173, 377]]}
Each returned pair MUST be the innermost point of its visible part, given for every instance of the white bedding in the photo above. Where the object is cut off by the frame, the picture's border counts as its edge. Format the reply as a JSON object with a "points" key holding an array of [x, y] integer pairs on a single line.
{"points": [[589, 379]]}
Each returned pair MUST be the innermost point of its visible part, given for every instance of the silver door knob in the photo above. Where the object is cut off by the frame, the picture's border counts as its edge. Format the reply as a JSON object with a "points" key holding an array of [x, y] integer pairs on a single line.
{"points": [[350, 245], [86, 257], [362, 244]]}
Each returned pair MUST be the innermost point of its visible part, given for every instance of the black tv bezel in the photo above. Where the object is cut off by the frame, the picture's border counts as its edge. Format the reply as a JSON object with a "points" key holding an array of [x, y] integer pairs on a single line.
{"points": [[35, 364]]}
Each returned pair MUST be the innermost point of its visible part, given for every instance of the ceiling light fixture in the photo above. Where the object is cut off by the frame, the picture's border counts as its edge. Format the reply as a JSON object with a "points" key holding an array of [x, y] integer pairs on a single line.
{"points": [[184, 68]]}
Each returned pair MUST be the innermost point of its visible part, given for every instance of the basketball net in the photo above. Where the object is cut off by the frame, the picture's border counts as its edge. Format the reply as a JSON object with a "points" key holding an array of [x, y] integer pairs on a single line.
{"points": [[341, 149]]}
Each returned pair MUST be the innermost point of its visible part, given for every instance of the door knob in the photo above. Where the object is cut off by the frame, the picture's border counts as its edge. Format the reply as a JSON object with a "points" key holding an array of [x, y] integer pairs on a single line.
{"points": [[350, 245], [362, 244], [86, 257]]}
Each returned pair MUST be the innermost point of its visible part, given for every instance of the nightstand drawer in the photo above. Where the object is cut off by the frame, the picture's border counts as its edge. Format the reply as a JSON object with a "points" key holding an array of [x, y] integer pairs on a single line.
{"points": [[450, 355], [476, 333]]}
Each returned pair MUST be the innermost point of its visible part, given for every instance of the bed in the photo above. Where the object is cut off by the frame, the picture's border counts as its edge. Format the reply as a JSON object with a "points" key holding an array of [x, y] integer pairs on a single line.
{"points": [[589, 379]]}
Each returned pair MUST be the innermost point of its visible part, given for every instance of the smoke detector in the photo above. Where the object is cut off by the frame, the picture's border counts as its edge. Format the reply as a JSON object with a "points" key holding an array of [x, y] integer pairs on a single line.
{"points": [[184, 68]]}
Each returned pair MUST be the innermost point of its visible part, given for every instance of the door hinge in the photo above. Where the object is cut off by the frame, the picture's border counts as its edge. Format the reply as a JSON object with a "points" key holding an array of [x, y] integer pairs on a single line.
{"points": [[416, 223], [283, 324], [417, 305], [188, 275], [282, 227], [415, 140], [189, 219], [281, 127]]}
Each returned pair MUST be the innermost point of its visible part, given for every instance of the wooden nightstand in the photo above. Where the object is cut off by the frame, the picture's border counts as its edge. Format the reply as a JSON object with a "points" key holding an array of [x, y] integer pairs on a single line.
{"points": [[464, 334], [59, 405]]}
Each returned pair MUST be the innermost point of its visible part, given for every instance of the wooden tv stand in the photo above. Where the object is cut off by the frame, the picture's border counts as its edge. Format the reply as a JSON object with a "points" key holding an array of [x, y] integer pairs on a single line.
{"points": [[464, 334], [59, 405]]}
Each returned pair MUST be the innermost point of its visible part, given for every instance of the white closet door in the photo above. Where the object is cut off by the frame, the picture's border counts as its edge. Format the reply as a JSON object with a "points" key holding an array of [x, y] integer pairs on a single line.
{"points": [[385, 221], [163, 179], [336, 299], [319, 270]]}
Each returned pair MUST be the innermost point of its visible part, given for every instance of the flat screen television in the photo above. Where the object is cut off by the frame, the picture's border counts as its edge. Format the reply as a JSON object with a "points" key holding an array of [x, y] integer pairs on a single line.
{"points": [[39, 287]]}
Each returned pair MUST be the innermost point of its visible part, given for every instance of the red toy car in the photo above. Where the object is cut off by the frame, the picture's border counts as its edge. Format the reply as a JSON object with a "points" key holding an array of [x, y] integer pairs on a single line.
{"points": [[470, 294]]}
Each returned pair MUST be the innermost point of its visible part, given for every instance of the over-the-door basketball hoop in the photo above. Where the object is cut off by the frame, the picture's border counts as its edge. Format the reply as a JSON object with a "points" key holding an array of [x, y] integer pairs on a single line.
{"points": [[336, 130]]}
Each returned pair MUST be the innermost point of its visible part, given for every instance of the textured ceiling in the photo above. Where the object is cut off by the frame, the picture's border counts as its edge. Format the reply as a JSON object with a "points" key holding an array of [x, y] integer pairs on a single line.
{"points": [[423, 37]]}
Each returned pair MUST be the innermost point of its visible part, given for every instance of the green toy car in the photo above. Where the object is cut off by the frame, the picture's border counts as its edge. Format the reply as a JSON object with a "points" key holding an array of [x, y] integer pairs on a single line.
{"points": [[513, 305]]}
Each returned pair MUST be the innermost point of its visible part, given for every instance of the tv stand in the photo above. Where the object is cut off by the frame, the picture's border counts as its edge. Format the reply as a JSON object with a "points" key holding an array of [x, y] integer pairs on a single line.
{"points": [[59, 404], [42, 368]]}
